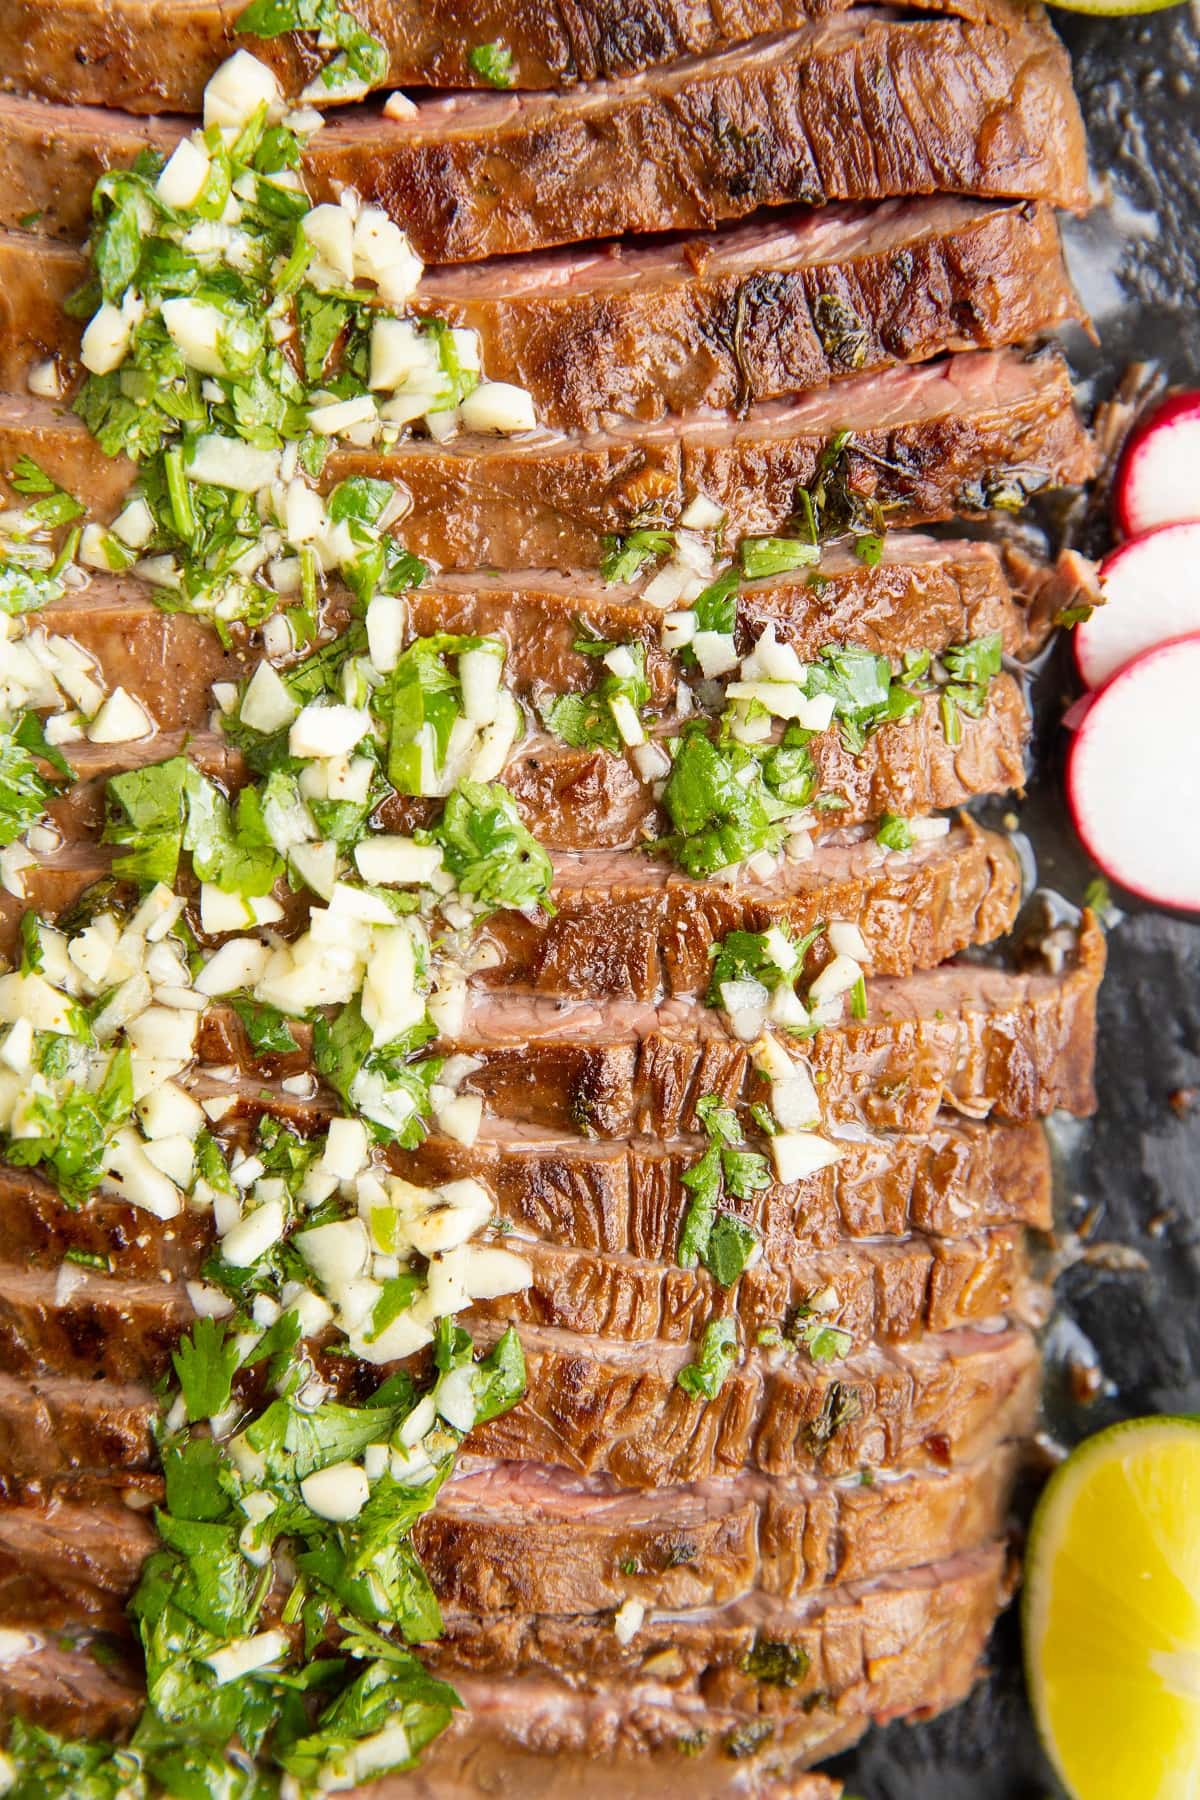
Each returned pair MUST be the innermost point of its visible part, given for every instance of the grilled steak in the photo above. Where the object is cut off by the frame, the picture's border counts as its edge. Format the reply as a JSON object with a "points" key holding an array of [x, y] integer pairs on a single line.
{"points": [[754, 312], [515, 1537], [597, 1407], [629, 927], [924, 594], [143, 57], [76, 1323], [946, 105], [525, 1737], [591, 799], [983, 1041], [621, 1199], [962, 435]]}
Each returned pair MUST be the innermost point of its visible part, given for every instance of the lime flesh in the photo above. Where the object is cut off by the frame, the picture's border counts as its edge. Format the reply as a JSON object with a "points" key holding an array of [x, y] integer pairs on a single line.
{"points": [[1115, 9], [1112, 1614]]}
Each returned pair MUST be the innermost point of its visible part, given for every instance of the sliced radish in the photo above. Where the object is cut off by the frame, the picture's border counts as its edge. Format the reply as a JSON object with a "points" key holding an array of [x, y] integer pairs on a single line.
{"points": [[1158, 480], [1151, 588], [1133, 779]]}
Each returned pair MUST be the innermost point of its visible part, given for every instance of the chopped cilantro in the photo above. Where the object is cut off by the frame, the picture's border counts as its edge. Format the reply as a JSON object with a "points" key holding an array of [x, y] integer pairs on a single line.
{"points": [[625, 557], [495, 860], [765, 556], [494, 62], [587, 721], [704, 1378], [777, 1664], [206, 1363], [266, 1028], [894, 833]]}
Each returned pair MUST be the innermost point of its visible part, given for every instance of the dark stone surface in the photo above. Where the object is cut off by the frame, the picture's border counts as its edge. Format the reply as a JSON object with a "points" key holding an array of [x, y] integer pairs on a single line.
{"points": [[1134, 1175]]}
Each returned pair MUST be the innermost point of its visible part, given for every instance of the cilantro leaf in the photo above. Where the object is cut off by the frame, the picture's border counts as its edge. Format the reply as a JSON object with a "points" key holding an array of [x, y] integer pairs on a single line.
{"points": [[495, 860], [206, 1363], [704, 1378], [625, 557], [494, 62]]}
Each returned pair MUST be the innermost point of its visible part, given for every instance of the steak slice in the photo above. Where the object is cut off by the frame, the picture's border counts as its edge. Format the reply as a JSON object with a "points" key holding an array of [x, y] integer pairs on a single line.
{"points": [[143, 56], [74, 1322], [591, 799], [630, 927], [863, 105], [977, 430], [524, 1738], [984, 1041], [859, 1650], [596, 1407], [924, 594], [619, 1199], [749, 313], [517, 1537]]}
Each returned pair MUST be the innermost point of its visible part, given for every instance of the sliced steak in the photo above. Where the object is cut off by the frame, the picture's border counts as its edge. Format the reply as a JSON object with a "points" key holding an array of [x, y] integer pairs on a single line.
{"points": [[843, 1644], [524, 1738], [962, 435], [77, 1322], [982, 1041], [68, 1689], [522, 1538], [144, 57], [753, 312], [619, 1199], [607, 1408], [596, 1407], [516, 1537], [843, 1640], [591, 799], [924, 594], [945, 105], [629, 927]]}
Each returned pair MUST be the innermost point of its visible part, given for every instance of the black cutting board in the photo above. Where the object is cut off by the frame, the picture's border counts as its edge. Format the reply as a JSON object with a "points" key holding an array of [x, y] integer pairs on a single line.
{"points": [[1136, 1168]]}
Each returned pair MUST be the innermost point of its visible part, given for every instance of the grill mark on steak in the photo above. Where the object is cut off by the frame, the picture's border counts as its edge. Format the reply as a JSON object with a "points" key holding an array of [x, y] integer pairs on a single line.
{"points": [[754, 312], [598, 1407], [942, 105], [928, 442], [142, 57], [511, 1539], [619, 1199]]}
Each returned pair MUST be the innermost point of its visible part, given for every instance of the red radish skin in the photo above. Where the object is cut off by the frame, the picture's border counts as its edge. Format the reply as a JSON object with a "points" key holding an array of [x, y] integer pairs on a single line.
{"points": [[1151, 588], [1133, 778], [1158, 480]]}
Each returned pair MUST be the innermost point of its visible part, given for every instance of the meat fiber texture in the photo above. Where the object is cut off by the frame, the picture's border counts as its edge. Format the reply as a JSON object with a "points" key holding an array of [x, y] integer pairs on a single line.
{"points": [[862, 105], [959, 436], [143, 56], [753, 312]]}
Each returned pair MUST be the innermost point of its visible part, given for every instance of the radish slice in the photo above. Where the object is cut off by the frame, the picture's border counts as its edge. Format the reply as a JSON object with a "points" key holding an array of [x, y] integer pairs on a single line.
{"points": [[1151, 588], [1133, 779], [1158, 480]]}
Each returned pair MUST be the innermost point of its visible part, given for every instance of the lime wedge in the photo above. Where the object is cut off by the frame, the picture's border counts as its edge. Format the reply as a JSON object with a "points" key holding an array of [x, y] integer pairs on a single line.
{"points": [[1114, 9], [1112, 1614]]}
